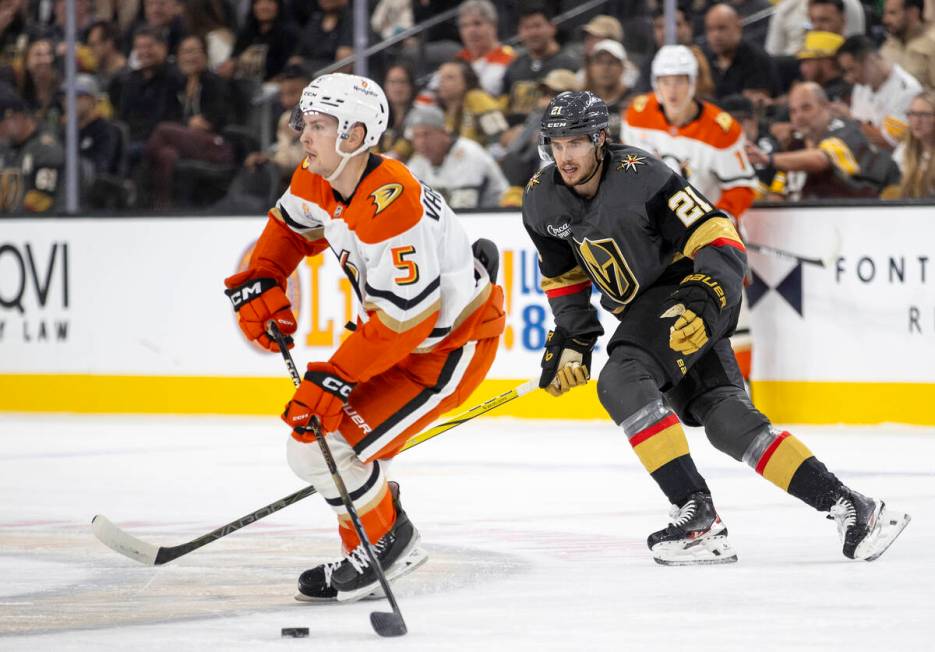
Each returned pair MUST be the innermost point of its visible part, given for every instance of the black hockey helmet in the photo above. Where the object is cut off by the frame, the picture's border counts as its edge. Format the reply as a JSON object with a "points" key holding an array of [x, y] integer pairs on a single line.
{"points": [[572, 113]]}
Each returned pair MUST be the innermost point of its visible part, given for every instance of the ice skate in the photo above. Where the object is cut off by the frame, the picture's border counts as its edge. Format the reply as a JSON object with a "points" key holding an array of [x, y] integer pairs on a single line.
{"points": [[315, 585], [398, 551], [695, 535], [866, 527]]}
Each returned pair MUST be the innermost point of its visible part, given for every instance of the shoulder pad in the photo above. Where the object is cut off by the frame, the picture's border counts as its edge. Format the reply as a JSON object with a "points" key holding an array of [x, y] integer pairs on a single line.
{"points": [[724, 120]]}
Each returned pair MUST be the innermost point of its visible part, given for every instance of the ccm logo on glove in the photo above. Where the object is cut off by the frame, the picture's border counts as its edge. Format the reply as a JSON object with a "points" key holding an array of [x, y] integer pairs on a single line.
{"points": [[323, 393], [247, 292], [257, 302]]}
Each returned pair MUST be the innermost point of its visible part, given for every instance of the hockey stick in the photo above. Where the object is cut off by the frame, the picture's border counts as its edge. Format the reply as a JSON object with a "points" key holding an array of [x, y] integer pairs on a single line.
{"points": [[781, 253], [149, 554], [384, 623]]}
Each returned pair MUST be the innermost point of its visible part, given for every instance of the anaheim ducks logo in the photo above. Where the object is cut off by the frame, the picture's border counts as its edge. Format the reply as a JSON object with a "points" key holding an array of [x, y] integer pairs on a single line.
{"points": [[385, 195], [609, 269], [631, 163]]}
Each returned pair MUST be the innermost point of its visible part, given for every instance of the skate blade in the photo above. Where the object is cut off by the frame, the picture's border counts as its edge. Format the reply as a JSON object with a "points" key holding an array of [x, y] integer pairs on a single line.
{"points": [[403, 566], [889, 526], [305, 599], [703, 551]]}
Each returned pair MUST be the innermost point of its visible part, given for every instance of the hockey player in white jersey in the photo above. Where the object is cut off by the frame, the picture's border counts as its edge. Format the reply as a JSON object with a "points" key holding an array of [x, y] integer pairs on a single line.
{"points": [[429, 320]]}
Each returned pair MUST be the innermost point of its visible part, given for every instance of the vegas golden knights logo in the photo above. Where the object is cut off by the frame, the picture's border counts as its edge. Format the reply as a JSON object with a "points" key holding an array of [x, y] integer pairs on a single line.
{"points": [[609, 269]]}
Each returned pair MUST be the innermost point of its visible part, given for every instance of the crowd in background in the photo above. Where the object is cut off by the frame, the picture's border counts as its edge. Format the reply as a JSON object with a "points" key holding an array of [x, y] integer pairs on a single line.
{"points": [[185, 103]]}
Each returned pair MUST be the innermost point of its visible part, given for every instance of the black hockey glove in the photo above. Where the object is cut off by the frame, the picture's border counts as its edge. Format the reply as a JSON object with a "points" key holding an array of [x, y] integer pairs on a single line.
{"points": [[566, 362], [697, 303]]}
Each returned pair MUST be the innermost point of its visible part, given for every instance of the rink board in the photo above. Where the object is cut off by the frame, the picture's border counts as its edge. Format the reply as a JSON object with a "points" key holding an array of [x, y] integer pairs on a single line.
{"points": [[129, 315]]}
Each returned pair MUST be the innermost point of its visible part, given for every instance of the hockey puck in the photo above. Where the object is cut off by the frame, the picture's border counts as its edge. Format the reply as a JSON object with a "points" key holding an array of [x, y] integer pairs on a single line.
{"points": [[295, 632]]}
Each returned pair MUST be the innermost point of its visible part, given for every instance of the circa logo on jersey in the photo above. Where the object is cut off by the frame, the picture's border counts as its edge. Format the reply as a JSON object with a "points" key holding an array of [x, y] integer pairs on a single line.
{"points": [[631, 163], [386, 195], [562, 231], [609, 269]]}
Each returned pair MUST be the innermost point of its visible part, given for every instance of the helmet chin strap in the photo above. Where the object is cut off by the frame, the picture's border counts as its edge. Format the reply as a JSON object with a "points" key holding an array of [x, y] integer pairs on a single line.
{"points": [[345, 157], [597, 159]]}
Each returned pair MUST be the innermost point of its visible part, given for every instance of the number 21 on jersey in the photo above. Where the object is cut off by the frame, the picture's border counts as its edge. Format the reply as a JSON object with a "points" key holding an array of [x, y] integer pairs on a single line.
{"points": [[688, 206]]}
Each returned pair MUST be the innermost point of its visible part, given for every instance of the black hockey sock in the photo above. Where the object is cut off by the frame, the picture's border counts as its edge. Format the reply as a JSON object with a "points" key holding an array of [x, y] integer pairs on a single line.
{"points": [[679, 478], [815, 485]]}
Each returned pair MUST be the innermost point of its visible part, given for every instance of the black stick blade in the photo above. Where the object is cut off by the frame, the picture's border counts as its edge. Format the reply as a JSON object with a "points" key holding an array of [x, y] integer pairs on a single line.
{"points": [[386, 623]]}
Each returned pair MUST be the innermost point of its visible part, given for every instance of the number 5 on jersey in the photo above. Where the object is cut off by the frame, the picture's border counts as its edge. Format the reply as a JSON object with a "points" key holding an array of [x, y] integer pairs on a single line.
{"points": [[408, 266]]}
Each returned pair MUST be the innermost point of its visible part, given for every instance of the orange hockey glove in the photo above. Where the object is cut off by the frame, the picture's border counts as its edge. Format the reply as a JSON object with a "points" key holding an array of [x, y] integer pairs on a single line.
{"points": [[257, 302], [323, 394]]}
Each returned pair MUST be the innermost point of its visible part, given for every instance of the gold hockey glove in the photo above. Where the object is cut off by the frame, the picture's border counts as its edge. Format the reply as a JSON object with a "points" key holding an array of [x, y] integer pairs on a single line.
{"points": [[696, 305], [566, 361]]}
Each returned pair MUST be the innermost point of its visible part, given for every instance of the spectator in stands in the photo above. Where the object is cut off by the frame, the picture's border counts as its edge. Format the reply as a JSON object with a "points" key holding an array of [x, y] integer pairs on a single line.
{"points": [[164, 18], [264, 43], [39, 82], [460, 169], [208, 19], [614, 30], [148, 95], [84, 17], [704, 87], [600, 28], [400, 89], [827, 16], [328, 36], [13, 34], [205, 99], [391, 17], [286, 152], [98, 139], [543, 54], [882, 91], [915, 155], [122, 14], [521, 158], [102, 41], [469, 111], [834, 159], [754, 31], [737, 66], [817, 63], [788, 25], [909, 42], [477, 25], [742, 110], [604, 77], [31, 159]]}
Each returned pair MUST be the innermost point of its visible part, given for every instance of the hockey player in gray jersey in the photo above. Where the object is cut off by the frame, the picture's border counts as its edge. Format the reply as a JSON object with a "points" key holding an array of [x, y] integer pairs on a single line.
{"points": [[669, 267]]}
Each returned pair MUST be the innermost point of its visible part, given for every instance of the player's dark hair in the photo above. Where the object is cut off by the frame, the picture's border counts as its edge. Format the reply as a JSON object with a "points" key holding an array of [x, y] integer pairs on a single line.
{"points": [[838, 4]]}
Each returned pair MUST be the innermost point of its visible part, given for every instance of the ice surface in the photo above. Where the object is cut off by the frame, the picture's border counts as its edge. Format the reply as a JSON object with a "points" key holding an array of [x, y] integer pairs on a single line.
{"points": [[535, 530]]}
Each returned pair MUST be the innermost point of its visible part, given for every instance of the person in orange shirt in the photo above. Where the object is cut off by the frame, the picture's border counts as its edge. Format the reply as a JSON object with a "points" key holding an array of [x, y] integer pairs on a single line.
{"points": [[429, 320]]}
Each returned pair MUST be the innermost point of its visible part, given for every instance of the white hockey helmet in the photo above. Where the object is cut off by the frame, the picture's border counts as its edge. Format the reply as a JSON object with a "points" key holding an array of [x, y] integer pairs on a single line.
{"points": [[674, 60], [350, 99]]}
